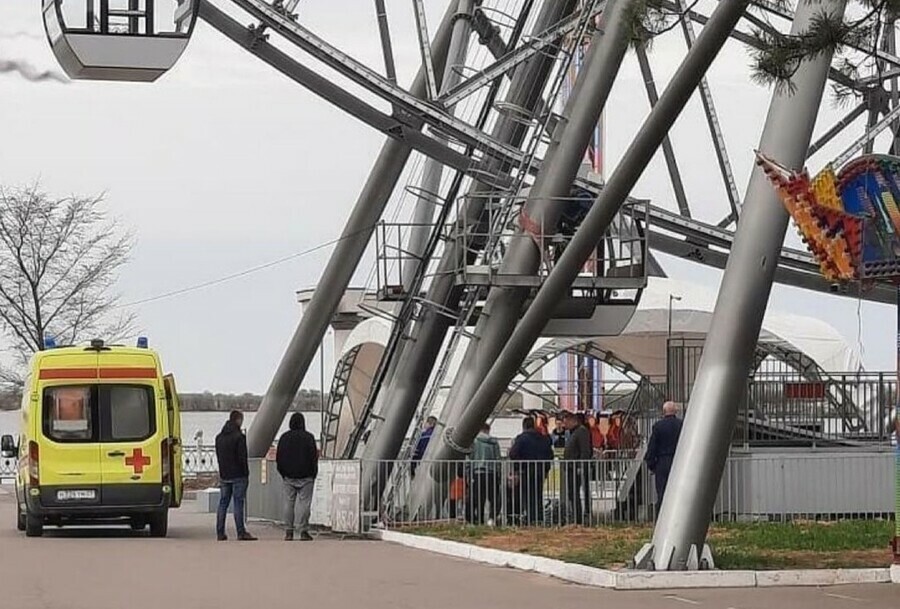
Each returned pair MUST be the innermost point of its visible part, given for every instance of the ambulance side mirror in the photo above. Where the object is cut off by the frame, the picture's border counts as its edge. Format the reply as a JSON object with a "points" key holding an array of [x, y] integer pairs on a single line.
{"points": [[8, 448]]}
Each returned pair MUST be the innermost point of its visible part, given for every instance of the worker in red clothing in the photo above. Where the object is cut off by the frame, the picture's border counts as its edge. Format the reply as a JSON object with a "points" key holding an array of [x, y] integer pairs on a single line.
{"points": [[614, 433]]}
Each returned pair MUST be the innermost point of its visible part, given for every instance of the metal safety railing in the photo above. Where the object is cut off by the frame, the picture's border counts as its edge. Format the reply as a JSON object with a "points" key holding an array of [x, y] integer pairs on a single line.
{"points": [[196, 460], [755, 487], [513, 493], [619, 262]]}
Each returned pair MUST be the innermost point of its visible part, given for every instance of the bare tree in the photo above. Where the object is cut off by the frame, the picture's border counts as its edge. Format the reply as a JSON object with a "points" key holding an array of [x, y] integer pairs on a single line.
{"points": [[59, 259]]}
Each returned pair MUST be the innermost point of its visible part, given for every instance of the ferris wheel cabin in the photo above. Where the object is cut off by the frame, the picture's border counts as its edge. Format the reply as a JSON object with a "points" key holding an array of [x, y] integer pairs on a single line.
{"points": [[127, 40]]}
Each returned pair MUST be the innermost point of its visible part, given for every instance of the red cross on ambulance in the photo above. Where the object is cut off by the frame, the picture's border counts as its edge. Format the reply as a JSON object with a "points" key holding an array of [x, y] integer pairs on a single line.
{"points": [[137, 460]]}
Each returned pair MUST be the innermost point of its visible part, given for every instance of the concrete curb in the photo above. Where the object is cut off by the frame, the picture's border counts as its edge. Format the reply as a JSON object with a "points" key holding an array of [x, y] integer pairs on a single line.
{"points": [[641, 580]]}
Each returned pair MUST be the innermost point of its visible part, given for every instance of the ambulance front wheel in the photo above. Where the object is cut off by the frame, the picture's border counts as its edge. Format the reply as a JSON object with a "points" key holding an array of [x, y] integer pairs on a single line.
{"points": [[20, 517], [34, 526], [159, 524]]}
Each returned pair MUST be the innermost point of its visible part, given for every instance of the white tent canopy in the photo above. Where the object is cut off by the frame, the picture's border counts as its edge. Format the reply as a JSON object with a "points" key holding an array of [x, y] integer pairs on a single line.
{"points": [[643, 343]]}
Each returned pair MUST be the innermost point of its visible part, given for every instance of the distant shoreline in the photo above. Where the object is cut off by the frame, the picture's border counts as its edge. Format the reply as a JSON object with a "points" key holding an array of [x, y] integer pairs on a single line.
{"points": [[307, 401]]}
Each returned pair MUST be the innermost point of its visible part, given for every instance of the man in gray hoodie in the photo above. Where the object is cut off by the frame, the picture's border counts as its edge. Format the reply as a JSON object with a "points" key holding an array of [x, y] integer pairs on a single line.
{"points": [[484, 477]]}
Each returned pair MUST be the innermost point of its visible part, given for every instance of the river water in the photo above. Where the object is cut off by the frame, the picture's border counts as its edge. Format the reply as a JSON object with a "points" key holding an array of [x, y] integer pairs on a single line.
{"points": [[210, 423]]}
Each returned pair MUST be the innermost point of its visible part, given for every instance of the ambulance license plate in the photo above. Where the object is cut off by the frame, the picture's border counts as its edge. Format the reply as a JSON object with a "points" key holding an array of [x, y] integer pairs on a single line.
{"points": [[80, 495]]}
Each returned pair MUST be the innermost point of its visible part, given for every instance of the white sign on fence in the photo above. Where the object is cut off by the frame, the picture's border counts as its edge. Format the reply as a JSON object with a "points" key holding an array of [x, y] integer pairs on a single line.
{"points": [[321, 502], [345, 512]]}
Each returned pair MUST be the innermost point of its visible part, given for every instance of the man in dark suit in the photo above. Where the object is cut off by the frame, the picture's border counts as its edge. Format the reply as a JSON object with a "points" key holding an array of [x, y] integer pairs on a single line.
{"points": [[577, 458], [661, 449], [532, 456]]}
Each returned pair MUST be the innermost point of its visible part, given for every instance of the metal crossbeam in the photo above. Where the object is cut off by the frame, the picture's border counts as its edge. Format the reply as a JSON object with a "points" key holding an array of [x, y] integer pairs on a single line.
{"points": [[712, 118], [403, 128], [389, 125], [836, 129], [364, 76], [868, 137], [425, 49], [668, 151], [390, 69], [514, 58]]}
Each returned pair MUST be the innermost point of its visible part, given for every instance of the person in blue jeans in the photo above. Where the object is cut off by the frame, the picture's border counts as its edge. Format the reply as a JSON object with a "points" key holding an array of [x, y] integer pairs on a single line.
{"points": [[234, 476]]}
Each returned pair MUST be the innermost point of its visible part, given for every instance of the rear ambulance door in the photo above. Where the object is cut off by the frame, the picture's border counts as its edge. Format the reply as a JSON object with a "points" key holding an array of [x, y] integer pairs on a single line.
{"points": [[173, 409], [131, 449], [68, 429]]}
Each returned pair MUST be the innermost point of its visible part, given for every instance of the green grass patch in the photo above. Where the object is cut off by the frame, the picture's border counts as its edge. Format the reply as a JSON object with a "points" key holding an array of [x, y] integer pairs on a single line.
{"points": [[758, 546]]}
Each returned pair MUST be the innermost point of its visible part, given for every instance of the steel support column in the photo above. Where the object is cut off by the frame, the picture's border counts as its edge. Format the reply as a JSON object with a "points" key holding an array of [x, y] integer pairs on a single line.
{"points": [[400, 397], [543, 208], [430, 187], [339, 270], [602, 213], [734, 331]]}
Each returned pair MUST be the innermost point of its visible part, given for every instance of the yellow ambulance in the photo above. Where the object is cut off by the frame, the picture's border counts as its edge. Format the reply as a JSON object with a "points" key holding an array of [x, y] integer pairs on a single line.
{"points": [[100, 441]]}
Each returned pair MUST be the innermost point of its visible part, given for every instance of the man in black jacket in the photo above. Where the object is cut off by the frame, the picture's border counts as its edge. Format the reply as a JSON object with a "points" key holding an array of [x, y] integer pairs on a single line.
{"points": [[661, 449], [578, 453], [234, 475], [532, 457], [298, 463]]}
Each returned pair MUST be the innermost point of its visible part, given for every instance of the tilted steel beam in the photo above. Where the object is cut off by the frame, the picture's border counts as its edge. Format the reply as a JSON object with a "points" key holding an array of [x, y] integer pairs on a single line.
{"points": [[730, 345], [512, 59]]}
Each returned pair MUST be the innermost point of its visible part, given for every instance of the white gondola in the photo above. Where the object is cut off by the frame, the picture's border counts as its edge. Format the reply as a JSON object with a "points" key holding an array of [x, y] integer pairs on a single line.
{"points": [[132, 40]]}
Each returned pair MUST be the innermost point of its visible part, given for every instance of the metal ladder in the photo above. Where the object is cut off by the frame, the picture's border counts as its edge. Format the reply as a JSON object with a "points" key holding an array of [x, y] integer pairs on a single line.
{"points": [[408, 307], [498, 226], [331, 416], [503, 220]]}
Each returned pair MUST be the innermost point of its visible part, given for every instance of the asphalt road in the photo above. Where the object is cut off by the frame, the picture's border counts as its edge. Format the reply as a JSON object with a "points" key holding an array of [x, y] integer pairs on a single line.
{"points": [[117, 569]]}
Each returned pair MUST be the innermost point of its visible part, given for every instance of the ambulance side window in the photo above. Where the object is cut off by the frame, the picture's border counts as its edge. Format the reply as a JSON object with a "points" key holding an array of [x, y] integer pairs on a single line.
{"points": [[69, 413], [130, 410]]}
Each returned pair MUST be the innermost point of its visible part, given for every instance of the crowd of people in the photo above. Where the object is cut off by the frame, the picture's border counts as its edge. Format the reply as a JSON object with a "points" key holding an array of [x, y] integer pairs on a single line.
{"points": [[489, 488], [485, 484]]}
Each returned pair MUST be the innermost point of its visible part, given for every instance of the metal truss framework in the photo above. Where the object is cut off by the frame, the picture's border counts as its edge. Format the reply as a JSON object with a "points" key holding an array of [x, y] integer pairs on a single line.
{"points": [[472, 153], [678, 234], [502, 166], [469, 151]]}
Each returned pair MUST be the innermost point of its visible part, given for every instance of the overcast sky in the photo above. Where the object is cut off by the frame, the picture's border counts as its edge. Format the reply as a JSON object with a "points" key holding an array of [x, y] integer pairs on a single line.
{"points": [[224, 164]]}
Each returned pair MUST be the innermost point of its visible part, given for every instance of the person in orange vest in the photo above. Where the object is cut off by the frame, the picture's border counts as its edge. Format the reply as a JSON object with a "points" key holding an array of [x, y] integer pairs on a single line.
{"points": [[457, 494], [598, 441], [614, 433], [541, 423]]}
